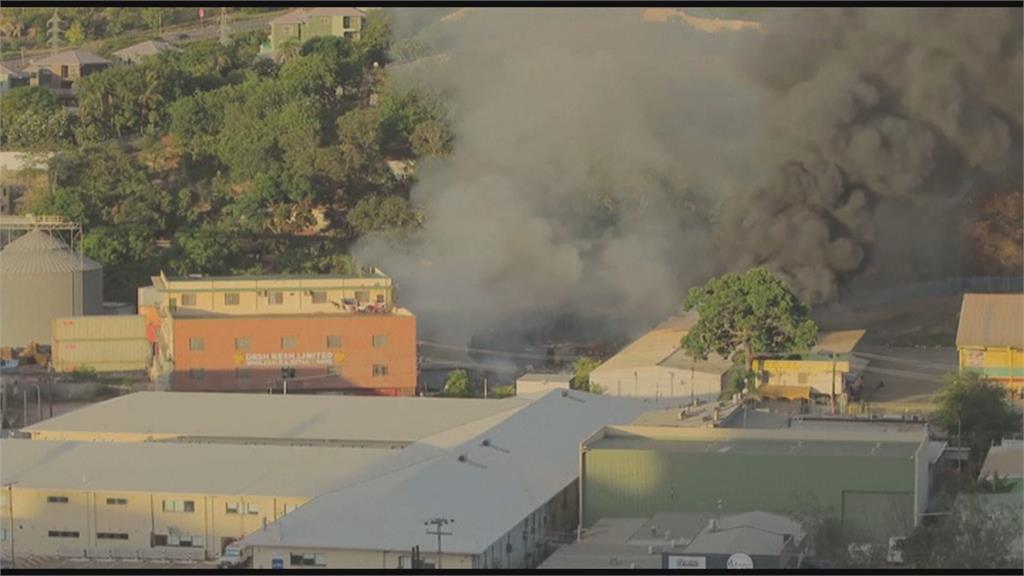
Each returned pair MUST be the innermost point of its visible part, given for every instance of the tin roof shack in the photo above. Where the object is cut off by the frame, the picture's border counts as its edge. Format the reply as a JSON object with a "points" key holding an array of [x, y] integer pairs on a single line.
{"points": [[654, 366], [875, 483], [990, 338], [828, 369]]}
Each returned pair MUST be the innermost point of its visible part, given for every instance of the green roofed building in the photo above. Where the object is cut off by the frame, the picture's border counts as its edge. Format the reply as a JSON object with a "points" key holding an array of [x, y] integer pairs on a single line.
{"points": [[877, 484]]}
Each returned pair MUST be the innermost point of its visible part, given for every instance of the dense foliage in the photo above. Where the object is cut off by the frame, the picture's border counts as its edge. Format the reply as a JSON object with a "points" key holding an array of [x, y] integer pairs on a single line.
{"points": [[976, 411], [212, 160]]}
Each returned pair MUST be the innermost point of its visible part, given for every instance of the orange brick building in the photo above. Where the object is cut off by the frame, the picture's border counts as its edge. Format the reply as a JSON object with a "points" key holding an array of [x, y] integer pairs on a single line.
{"points": [[340, 333]]}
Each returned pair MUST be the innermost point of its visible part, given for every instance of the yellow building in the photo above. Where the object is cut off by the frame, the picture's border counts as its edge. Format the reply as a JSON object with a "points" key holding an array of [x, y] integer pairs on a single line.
{"points": [[990, 338], [829, 368]]}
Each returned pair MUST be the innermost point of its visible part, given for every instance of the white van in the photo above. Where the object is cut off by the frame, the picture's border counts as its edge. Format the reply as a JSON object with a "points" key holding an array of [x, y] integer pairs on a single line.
{"points": [[236, 555]]}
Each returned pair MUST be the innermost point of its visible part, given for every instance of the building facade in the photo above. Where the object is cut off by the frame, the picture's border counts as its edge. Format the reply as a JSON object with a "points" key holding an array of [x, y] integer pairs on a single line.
{"points": [[990, 338], [304, 23], [876, 484], [59, 73], [337, 333]]}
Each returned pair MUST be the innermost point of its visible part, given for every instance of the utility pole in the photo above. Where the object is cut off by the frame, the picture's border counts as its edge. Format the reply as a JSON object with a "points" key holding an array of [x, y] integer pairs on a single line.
{"points": [[438, 530], [672, 384], [693, 399], [10, 515], [833, 383]]}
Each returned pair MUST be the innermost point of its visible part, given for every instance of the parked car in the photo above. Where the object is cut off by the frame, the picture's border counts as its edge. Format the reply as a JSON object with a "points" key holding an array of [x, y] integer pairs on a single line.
{"points": [[236, 555]]}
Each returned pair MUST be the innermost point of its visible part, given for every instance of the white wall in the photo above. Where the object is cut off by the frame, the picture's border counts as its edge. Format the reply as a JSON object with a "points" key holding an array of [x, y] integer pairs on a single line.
{"points": [[657, 381]]}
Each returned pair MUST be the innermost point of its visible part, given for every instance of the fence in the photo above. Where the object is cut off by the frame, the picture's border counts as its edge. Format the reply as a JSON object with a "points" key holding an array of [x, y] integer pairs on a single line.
{"points": [[937, 288]]}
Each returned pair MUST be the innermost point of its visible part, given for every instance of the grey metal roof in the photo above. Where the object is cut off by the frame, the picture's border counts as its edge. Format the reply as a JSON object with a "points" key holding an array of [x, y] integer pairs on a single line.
{"points": [[268, 417], [532, 454], [71, 58], [37, 252]]}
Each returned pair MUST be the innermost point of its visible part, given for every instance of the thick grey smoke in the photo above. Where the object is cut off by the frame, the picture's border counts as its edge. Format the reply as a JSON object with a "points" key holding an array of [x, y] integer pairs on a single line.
{"points": [[604, 164], [882, 125]]}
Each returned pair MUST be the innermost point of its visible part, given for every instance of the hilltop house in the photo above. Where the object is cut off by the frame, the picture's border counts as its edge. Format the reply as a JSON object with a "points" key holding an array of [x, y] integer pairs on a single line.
{"points": [[302, 24], [60, 72]]}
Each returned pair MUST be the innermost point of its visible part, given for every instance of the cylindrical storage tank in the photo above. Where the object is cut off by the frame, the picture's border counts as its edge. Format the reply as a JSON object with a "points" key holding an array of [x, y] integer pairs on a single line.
{"points": [[42, 279]]}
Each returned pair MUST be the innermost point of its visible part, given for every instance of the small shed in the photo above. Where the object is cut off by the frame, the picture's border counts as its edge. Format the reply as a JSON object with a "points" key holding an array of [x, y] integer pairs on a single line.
{"points": [[533, 382]]}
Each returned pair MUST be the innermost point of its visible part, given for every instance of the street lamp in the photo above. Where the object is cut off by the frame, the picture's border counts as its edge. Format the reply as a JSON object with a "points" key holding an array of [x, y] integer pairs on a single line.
{"points": [[10, 514], [438, 530]]}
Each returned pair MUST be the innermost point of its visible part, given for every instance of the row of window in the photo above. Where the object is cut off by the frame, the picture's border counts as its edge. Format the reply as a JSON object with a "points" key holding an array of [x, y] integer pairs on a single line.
{"points": [[308, 560], [317, 297], [287, 342], [379, 371], [186, 506], [236, 508]]}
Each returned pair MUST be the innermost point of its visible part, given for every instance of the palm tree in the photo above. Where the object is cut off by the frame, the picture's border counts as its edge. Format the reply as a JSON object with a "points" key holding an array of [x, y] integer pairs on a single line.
{"points": [[289, 49]]}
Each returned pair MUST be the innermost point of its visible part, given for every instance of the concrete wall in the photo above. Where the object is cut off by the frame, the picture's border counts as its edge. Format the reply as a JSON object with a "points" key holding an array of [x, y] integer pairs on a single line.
{"points": [[354, 360], [639, 483], [140, 515], [657, 381], [369, 559]]}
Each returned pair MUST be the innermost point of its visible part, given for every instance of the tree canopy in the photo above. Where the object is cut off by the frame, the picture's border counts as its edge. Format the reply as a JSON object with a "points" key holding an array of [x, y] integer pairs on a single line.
{"points": [[977, 410], [457, 384], [747, 314]]}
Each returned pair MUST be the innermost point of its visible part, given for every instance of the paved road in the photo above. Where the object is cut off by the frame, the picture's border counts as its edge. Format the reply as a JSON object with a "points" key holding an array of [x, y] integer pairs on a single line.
{"points": [[909, 374]]}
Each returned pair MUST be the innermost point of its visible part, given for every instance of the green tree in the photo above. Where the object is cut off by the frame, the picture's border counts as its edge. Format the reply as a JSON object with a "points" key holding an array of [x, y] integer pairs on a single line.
{"points": [[504, 391], [583, 366], [382, 214], [76, 33], [457, 384], [402, 110], [751, 313], [977, 411], [976, 534], [31, 118], [431, 138], [375, 39]]}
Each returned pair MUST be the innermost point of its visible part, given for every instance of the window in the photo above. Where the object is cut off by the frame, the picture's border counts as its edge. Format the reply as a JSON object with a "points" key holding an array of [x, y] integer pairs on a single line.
{"points": [[276, 297], [308, 560], [362, 296], [196, 374], [319, 297], [111, 536], [173, 304], [346, 21], [252, 509], [56, 499], [334, 370], [159, 540], [196, 344], [289, 342], [188, 299], [380, 298], [231, 508], [3, 534], [334, 341], [179, 506], [62, 534], [380, 340], [350, 35], [242, 374], [243, 343], [232, 299], [380, 370], [117, 501], [63, 71]]}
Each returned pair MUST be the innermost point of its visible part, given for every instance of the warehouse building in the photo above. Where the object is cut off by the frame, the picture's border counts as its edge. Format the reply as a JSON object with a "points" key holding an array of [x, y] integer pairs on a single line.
{"points": [[507, 483], [43, 279], [875, 483], [172, 475], [532, 383], [101, 343], [334, 333], [655, 366], [990, 338]]}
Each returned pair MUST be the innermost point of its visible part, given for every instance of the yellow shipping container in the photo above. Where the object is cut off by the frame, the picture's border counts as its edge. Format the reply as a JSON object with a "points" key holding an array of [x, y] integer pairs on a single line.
{"points": [[99, 328]]}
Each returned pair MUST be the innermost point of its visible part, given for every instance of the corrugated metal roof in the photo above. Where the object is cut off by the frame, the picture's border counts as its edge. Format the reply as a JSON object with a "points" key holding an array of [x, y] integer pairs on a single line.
{"points": [[1006, 460], [299, 417], [71, 58], [533, 455], [840, 342], [653, 347], [991, 320], [182, 468], [37, 252]]}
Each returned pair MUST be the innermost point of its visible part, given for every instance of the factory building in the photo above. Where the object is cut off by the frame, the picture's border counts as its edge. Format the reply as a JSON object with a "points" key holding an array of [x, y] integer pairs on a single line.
{"points": [[990, 338], [655, 366], [336, 333], [151, 474], [875, 483], [43, 279], [828, 369]]}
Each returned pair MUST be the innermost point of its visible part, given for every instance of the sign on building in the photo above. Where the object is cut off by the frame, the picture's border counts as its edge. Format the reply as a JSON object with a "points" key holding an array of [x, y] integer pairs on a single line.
{"points": [[674, 562], [289, 359]]}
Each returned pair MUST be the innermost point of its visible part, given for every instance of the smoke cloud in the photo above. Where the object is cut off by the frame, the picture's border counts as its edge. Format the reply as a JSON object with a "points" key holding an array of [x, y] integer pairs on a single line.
{"points": [[604, 164]]}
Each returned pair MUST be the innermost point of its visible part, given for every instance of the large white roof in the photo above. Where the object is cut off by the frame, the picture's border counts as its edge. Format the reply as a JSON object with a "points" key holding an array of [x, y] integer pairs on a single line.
{"points": [[274, 418], [533, 454], [182, 468]]}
